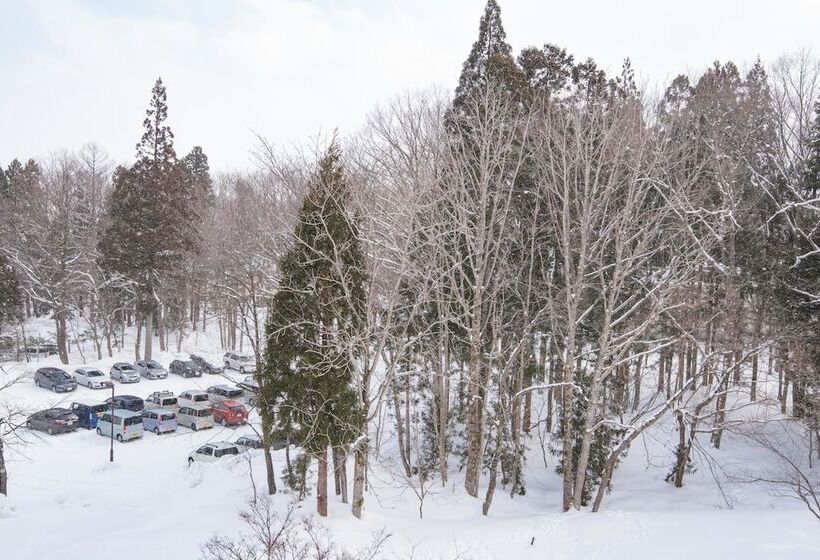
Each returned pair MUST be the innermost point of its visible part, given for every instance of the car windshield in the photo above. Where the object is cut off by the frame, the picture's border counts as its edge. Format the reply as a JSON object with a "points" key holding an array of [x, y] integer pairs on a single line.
{"points": [[236, 408], [190, 365], [126, 367], [233, 393], [153, 365], [100, 407], [93, 373], [133, 420], [200, 398], [244, 358], [172, 401], [167, 417], [204, 413]]}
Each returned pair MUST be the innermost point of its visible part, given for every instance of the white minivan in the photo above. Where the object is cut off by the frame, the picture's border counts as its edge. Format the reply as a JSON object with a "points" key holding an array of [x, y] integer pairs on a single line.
{"points": [[195, 417], [126, 424]]}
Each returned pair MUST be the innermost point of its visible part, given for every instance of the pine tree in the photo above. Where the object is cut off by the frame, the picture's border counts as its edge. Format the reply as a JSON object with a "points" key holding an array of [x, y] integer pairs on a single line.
{"points": [[152, 221], [11, 299], [314, 319]]}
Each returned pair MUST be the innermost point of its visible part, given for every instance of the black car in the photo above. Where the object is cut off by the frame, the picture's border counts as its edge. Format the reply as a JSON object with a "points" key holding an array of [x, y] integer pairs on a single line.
{"points": [[55, 379], [206, 366], [53, 421], [185, 369], [126, 402]]}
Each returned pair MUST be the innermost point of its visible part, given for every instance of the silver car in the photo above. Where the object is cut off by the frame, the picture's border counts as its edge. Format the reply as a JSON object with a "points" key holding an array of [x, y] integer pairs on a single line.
{"points": [[240, 362], [195, 417], [91, 378], [123, 424], [150, 369], [215, 451], [124, 373]]}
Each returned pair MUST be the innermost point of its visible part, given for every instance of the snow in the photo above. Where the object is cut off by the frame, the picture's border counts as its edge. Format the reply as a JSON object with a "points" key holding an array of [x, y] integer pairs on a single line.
{"points": [[67, 501]]}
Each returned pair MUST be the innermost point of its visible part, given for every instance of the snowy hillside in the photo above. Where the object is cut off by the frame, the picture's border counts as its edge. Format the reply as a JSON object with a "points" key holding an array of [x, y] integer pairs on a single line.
{"points": [[66, 500]]}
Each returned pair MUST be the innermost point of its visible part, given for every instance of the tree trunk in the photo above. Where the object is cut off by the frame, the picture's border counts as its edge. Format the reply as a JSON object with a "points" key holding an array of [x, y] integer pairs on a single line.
{"points": [[138, 338], [4, 475], [404, 451], [149, 335], [636, 398], [359, 471], [62, 345], [321, 483], [337, 483], [661, 370], [753, 388]]}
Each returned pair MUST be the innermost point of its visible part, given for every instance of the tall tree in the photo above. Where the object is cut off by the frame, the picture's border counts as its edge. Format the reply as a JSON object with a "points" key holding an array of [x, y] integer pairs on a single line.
{"points": [[315, 322], [152, 220]]}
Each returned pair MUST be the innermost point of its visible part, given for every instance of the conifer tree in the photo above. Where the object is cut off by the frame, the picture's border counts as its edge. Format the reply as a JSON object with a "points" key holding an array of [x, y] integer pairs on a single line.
{"points": [[152, 221], [315, 318]]}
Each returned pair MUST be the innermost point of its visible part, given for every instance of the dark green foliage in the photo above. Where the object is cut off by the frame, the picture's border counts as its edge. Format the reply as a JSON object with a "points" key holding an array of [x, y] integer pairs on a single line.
{"points": [[604, 440], [11, 299], [152, 218], [316, 318]]}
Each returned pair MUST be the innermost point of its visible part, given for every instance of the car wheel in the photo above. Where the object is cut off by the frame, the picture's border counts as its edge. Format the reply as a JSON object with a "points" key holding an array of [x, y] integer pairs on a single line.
{"points": [[99, 432], [50, 431], [156, 430], [224, 422], [30, 425], [190, 460], [119, 438], [242, 370], [193, 427]]}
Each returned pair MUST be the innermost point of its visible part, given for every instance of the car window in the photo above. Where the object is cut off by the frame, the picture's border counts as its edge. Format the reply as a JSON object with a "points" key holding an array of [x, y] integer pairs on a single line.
{"points": [[117, 420], [204, 413], [206, 451], [133, 420], [167, 417], [169, 401], [200, 398]]}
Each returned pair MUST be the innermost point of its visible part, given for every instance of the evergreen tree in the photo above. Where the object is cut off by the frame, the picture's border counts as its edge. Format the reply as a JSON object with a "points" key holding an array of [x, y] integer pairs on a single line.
{"points": [[314, 319], [11, 299], [152, 219]]}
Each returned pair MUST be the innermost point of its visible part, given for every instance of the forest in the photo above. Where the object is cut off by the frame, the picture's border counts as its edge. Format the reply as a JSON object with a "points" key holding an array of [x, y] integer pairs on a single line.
{"points": [[546, 263]]}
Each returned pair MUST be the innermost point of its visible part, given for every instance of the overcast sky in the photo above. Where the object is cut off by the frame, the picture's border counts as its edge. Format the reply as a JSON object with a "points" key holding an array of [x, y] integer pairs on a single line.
{"points": [[76, 71]]}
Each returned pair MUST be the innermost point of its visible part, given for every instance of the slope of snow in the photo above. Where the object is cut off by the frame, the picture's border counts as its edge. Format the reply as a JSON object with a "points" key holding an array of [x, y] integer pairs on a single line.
{"points": [[66, 500]]}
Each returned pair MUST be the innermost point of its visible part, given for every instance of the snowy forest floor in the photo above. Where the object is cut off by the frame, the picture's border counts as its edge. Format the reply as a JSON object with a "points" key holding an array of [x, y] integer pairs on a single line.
{"points": [[67, 501]]}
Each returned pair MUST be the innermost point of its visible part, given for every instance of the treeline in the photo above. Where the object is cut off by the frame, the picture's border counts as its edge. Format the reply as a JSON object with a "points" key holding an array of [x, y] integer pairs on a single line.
{"points": [[549, 259]]}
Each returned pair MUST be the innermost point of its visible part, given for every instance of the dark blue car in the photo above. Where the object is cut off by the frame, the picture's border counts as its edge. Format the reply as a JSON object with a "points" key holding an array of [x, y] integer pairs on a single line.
{"points": [[89, 413], [126, 402]]}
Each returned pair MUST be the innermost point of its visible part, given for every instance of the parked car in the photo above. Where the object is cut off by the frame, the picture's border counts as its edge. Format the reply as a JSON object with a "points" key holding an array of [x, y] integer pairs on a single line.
{"points": [[55, 379], [126, 402], [162, 399], [195, 417], [124, 373], [125, 424], [92, 378], [253, 441], [229, 412], [89, 413], [159, 421], [215, 451], [193, 397], [53, 421], [223, 392], [206, 366], [240, 362], [150, 369], [185, 369], [249, 384], [249, 442]]}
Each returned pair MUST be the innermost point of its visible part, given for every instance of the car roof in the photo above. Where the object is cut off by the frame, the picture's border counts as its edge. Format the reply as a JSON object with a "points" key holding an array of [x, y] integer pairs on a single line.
{"points": [[122, 364], [125, 413], [195, 392], [221, 386], [87, 368], [89, 403], [51, 370], [231, 402], [197, 407], [221, 444], [164, 393], [128, 397]]}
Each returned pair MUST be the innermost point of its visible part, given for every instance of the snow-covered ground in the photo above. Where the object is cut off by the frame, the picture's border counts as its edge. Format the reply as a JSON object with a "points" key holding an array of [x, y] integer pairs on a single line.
{"points": [[67, 501]]}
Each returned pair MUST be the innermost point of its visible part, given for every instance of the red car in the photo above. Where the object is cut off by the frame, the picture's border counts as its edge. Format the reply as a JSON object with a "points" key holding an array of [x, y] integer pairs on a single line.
{"points": [[229, 413]]}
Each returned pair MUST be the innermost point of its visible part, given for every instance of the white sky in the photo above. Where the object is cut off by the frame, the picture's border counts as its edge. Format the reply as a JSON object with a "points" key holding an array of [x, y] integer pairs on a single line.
{"points": [[75, 71]]}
